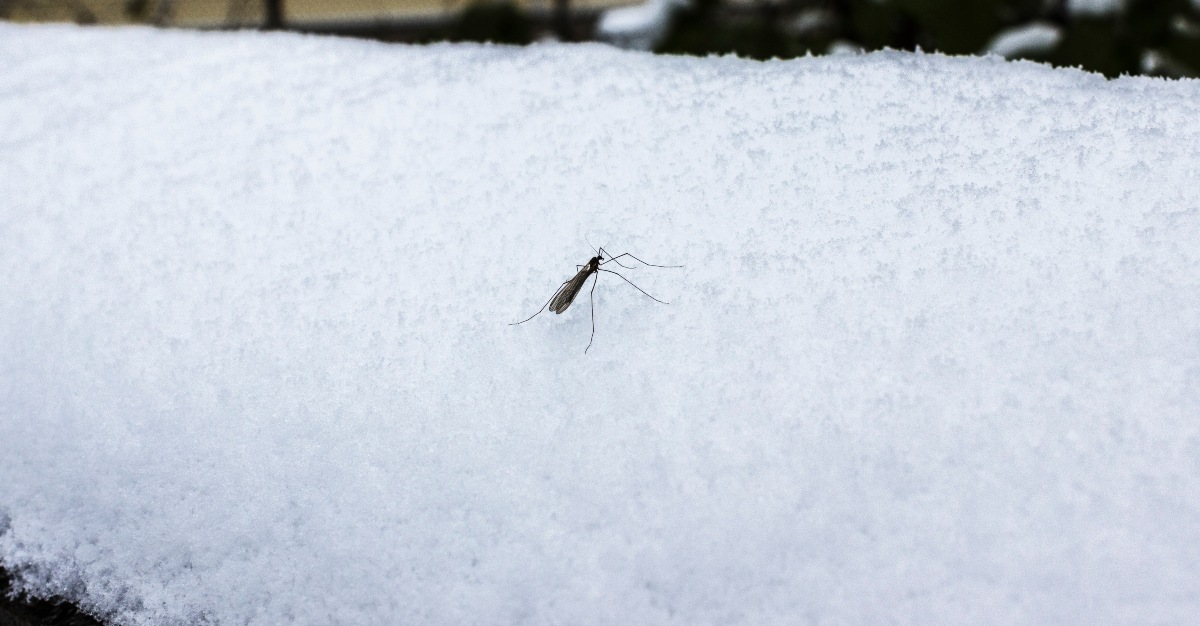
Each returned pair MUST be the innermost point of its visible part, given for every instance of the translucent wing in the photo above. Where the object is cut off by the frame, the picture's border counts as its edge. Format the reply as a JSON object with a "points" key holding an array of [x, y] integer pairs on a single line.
{"points": [[566, 294]]}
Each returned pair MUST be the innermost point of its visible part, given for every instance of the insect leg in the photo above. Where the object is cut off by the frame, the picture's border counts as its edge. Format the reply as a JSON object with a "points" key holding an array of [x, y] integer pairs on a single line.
{"points": [[636, 287], [636, 259], [543, 306], [602, 250], [592, 299]]}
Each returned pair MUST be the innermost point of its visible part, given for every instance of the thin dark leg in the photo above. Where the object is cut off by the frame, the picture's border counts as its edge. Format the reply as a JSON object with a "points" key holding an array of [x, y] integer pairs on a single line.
{"points": [[636, 259], [592, 299], [610, 259], [634, 286], [543, 306]]}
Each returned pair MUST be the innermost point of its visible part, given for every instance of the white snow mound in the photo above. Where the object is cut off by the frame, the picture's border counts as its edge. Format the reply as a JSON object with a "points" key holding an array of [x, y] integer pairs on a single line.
{"points": [[934, 356]]}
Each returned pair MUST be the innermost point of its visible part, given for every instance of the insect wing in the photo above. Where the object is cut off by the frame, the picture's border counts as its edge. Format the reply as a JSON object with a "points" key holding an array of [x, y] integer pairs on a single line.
{"points": [[566, 295]]}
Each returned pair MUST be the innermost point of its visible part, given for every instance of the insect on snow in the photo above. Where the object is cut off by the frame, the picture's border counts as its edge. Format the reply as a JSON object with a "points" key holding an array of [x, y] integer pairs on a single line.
{"points": [[562, 299]]}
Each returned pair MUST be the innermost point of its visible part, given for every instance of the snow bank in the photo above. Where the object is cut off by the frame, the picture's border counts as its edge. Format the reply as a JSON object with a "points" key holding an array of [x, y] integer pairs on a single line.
{"points": [[934, 356]]}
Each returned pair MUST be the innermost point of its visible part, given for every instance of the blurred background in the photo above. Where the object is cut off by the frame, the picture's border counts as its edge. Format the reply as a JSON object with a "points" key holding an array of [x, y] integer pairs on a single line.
{"points": [[1113, 37]]}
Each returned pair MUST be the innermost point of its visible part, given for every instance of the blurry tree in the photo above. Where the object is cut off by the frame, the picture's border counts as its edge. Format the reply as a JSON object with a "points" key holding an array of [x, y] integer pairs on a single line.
{"points": [[137, 10], [241, 13], [489, 20], [164, 12], [274, 14], [703, 28], [159, 12], [1150, 36], [83, 13], [1145, 36], [79, 11], [562, 20], [963, 27]]}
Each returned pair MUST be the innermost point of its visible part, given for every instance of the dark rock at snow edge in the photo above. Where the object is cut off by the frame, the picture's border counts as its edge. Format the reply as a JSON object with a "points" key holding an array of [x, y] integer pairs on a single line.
{"points": [[24, 611]]}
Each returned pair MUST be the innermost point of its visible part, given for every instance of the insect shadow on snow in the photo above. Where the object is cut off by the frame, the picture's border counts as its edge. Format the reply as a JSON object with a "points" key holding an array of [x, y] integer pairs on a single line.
{"points": [[562, 299]]}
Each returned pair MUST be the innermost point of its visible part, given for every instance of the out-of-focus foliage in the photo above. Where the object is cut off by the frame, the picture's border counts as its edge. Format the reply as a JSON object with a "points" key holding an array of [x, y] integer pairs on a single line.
{"points": [[705, 29], [961, 27], [489, 20], [1151, 36], [137, 10], [1160, 37], [1154, 37]]}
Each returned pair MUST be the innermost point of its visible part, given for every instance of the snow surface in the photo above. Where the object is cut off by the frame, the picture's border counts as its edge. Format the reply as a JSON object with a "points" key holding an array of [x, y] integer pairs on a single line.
{"points": [[934, 356]]}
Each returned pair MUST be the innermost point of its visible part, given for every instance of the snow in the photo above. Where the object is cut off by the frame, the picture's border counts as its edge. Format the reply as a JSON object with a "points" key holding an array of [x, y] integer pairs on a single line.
{"points": [[1029, 39], [934, 356]]}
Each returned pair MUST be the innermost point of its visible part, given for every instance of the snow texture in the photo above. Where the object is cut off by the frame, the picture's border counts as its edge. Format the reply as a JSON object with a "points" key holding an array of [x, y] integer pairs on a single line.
{"points": [[934, 356]]}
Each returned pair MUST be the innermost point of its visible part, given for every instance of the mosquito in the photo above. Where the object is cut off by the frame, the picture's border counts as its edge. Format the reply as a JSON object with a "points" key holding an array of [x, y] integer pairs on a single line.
{"points": [[562, 299]]}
